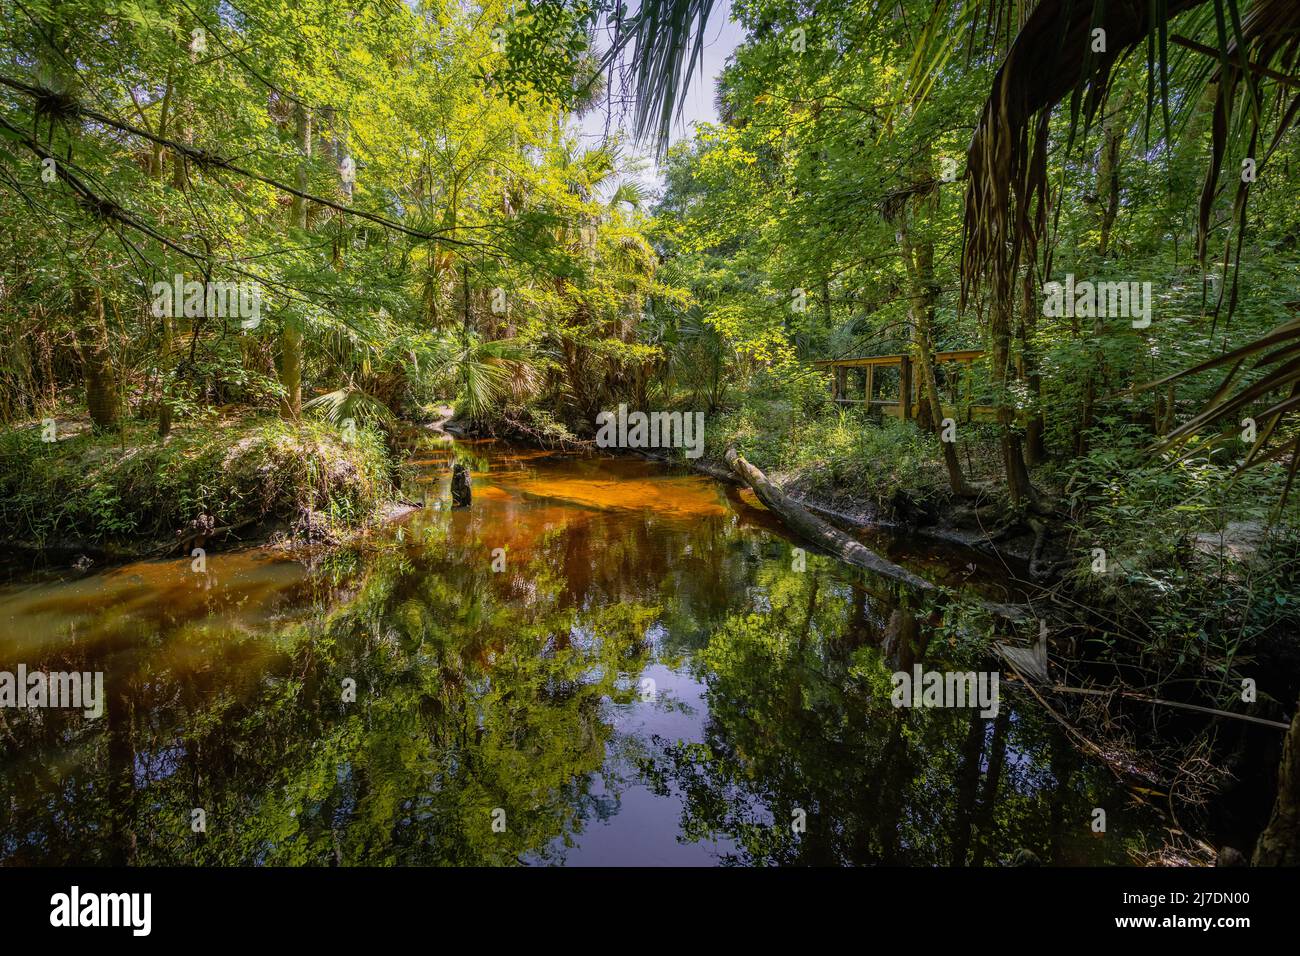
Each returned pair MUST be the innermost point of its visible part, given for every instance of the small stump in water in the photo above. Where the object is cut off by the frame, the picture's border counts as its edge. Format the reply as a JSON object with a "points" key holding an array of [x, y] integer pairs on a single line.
{"points": [[460, 491]]}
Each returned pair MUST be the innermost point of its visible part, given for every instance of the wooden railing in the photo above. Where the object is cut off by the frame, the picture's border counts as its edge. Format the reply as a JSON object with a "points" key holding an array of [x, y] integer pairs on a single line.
{"points": [[950, 394]]}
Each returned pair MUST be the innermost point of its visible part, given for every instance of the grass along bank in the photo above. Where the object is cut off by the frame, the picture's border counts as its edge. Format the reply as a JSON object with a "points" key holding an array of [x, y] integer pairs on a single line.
{"points": [[128, 493]]}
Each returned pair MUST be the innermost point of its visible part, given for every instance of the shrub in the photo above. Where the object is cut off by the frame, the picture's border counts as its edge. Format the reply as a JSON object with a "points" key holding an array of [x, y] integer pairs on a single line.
{"points": [[119, 488], [839, 449]]}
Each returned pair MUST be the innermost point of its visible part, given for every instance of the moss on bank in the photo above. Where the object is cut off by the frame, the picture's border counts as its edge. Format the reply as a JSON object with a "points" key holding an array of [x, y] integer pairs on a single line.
{"points": [[130, 489]]}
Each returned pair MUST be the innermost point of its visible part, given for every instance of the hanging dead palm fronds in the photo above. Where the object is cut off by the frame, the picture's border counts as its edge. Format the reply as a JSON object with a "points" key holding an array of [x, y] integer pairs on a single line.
{"points": [[1262, 52], [1053, 56]]}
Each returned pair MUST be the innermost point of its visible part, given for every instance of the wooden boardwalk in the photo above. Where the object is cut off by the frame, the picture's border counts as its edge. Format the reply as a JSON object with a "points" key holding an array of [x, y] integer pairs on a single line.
{"points": [[881, 381]]}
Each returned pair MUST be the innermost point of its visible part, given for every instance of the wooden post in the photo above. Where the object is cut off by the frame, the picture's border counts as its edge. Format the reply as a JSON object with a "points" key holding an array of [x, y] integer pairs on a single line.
{"points": [[905, 385], [869, 390]]}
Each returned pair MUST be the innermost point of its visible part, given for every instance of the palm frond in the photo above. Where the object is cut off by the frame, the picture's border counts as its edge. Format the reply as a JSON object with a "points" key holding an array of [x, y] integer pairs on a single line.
{"points": [[349, 403], [629, 191], [1247, 384], [1051, 58], [666, 39], [484, 373]]}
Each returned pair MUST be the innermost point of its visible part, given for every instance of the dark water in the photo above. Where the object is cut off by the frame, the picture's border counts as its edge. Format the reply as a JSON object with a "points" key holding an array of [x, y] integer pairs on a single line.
{"points": [[650, 680]]}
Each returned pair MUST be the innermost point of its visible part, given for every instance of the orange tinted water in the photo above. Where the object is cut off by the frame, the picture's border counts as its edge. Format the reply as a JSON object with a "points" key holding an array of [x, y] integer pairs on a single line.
{"points": [[601, 661]]}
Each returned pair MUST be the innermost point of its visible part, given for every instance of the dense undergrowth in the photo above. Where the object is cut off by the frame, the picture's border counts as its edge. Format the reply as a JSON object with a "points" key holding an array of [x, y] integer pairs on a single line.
{"points": [[130, 487], [1186, 567], [833, 451]]}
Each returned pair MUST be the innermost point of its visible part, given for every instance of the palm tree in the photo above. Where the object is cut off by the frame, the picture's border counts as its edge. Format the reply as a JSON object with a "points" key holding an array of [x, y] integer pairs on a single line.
{"points": [[484, 372]]}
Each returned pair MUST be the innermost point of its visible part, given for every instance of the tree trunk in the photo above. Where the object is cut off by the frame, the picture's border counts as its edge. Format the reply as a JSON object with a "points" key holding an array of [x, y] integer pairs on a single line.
{"points": [[1013, 458], [466, 301], [919, 260], [164, 408], [1108, 208], [461, 493], [96, 363], [291, 371], [1035, 449], [165, 372], [90, 335], [1108, 178], [290, 334], [1279, 844]]}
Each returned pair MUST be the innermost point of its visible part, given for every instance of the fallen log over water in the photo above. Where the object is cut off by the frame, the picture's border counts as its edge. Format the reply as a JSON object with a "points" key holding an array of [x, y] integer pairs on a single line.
{"points": [[817, 531]]}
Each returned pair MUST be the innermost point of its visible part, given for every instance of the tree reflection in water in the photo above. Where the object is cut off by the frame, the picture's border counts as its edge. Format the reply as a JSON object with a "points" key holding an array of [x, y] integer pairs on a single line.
{"points": [[522, 691]]}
